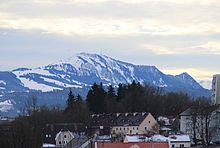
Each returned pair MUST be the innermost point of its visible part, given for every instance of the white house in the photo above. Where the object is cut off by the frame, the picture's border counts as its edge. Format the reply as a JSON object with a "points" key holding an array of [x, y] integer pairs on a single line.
{"points": [[63, 137], [198, 126]]}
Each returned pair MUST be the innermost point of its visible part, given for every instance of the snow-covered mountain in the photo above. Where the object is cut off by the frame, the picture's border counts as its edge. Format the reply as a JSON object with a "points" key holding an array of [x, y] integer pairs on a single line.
{"points": [[82, 70]]}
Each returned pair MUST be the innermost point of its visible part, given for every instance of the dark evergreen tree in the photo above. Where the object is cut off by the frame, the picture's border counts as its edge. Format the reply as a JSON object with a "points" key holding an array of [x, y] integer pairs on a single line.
{"points": [[70, 102], [120, 92], [96, 99], [111, 100]]}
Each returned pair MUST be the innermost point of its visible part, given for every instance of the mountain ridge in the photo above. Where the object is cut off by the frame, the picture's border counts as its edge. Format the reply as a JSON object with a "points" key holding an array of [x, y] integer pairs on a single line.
{"points": [[82, 70], [79, 71]]}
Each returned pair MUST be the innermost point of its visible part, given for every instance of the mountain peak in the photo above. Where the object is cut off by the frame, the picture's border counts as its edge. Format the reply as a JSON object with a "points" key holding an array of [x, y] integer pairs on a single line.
{"points": [[188, 79], [184, 75], [84, 69]]}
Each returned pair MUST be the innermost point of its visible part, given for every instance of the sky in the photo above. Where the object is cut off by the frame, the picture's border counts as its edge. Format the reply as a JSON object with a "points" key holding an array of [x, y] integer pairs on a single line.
{"points": [[174, 35]]}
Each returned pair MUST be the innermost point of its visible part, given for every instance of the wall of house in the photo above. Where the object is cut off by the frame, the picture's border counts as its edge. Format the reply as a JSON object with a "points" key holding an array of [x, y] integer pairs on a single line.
{"points": [[180, 144], [125, 130], [216, 89], [147, 125], [186, 126], [64, 138]]}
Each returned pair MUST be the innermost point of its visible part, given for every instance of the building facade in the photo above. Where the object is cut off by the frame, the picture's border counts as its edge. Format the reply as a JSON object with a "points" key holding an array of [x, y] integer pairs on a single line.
{"points": [[121, 124], [216, 89], [140, 127], [63, 137], [198, 126]]}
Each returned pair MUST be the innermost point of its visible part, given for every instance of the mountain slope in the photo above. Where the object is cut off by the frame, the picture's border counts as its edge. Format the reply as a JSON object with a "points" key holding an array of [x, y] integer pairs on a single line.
{"points": [[84, 69], [81, 71]]}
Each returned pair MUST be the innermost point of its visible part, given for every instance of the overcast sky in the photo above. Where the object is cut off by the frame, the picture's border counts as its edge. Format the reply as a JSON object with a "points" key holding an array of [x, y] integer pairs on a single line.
{"points": [[174, 35]]}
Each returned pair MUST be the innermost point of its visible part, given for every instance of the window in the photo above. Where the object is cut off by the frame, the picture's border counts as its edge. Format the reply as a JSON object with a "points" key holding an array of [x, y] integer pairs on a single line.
{"points": [[173, 145], [128, 128], [148, 121], [137, 128], [64, 136], [59, 142], [181, 145], [120, 128], [116, 128], [47, 136], [130, 131], [145, 128], [124, 128]]}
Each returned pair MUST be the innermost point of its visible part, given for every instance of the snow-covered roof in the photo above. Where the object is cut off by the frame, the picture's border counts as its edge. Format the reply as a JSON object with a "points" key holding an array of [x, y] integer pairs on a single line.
{"points": [[136, 138], [159, 138], [165, 129], [164, 119], [104, 137], [48, 145], [178, 138]]}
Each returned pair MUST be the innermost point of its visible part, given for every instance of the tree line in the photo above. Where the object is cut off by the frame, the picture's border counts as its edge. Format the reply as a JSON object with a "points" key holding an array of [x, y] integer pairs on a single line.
{"points": [[135, 97]]}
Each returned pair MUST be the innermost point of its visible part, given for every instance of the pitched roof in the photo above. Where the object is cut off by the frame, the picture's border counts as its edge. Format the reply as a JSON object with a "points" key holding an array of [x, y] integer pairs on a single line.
{"points": [[77, 141], [58, 134], [190, 110], [118, 119]]}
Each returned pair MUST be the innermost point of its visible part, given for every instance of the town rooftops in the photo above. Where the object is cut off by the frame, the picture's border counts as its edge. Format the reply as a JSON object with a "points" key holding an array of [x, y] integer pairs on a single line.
{"points": [[118, 119], [157, 138]]}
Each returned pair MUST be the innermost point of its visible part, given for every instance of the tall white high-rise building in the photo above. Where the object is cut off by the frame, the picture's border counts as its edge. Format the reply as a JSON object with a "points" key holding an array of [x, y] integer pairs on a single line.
{"points": [[216, 89]]}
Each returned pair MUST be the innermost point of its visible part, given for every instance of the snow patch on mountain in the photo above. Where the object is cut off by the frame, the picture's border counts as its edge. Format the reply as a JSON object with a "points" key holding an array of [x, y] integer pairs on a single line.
{"points": [[6, 105], [36, 86], [2, 82]]}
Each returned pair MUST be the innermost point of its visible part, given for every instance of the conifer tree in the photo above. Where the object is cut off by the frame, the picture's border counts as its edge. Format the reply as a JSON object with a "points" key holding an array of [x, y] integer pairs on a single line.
{"points": [[96, 99], [70, 102]]}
